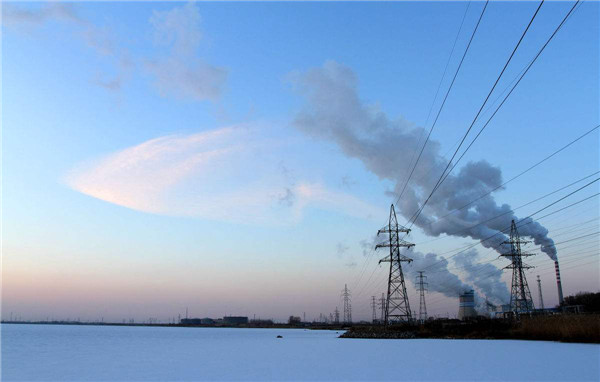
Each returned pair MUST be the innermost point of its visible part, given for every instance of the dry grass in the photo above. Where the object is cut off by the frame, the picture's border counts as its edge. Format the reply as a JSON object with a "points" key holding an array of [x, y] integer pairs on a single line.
{"points": [[564, 327]]}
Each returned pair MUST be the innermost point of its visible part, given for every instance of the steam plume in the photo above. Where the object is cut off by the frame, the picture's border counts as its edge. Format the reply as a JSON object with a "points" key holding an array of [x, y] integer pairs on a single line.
{"points": [[334, 112]]}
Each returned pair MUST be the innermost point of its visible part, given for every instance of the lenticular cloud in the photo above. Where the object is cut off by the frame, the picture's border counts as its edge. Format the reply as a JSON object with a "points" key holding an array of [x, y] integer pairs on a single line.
{"points": [[229, 174]]}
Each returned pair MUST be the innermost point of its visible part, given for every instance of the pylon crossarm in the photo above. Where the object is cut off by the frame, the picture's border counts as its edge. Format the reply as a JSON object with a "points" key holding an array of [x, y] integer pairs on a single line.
{"points": [[400, 243], [516, 241], [523, 265], [402, 258], [394, 229]]}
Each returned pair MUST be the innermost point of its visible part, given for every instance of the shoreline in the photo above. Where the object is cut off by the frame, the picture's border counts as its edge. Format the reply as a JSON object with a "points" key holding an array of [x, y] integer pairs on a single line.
{"points": [[274, 326]]}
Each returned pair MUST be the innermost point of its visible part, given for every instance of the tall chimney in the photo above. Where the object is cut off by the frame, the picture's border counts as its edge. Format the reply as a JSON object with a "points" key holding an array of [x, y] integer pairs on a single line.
{"points": [[558, 284]]}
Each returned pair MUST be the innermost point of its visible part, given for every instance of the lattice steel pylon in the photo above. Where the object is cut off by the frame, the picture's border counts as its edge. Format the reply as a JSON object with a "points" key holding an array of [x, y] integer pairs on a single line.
{"points": [[520, 296], [382, 307], [347, 315], [374, 306], [422, 287], [540, 292], [397, 307]]}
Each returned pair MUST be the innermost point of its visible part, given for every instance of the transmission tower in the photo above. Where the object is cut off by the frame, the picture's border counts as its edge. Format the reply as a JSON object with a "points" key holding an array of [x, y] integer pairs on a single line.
{"points": [[347, 318], [336, 315], [382, 307], [374, 306], [397, 307], [422, 287], [520, 296], [540, 292]]}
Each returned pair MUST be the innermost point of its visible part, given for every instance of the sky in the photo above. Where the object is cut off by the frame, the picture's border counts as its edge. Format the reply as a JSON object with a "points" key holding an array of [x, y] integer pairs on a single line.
{"points": [[239, 158]]}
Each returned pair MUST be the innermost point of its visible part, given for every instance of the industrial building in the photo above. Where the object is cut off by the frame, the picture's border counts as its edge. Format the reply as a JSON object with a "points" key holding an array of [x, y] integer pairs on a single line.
{"points": [[231, 320]]}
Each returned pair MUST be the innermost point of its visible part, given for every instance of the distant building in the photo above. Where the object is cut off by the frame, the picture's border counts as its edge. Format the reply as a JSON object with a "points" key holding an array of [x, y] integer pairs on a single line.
{"points": [[235, 320], [191, 321], [197, 321], [293, 320]]}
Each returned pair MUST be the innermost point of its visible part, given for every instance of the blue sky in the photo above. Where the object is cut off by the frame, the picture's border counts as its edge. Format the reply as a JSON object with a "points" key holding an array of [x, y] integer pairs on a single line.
{"points": [[164, 155]]}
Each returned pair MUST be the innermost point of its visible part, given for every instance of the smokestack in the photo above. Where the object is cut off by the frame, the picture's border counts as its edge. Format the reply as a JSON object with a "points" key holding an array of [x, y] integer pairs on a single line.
{"points": [[558, 284]]}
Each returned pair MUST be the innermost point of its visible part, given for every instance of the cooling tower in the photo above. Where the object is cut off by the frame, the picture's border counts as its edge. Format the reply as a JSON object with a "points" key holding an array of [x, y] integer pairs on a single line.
{"points": [[466, 306]]}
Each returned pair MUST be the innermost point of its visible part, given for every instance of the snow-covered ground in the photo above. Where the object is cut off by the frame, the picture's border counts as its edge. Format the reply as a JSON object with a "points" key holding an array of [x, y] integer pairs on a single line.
{"points": [[102, 353]]}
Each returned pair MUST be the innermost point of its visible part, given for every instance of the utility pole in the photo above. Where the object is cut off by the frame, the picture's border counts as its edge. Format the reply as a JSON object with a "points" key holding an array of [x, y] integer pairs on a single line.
{"points": [[540, 292], [374, 306], [397, 307], [347, 318], [336, 314], [422, 289], [520, 296]]}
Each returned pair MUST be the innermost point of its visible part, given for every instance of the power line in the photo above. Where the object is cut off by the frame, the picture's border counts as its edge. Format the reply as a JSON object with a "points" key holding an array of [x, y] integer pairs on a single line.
{"points": [[438, 88], [528, 217], [514, 209], [444, 101], [509, 93], [498, 258], [521, 173], [414, 218], [444, 174], [363, 268], [567, 241]]}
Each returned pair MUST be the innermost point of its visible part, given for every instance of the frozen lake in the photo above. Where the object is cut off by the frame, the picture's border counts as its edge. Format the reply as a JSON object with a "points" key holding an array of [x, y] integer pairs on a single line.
{"points": [[103, 353]]}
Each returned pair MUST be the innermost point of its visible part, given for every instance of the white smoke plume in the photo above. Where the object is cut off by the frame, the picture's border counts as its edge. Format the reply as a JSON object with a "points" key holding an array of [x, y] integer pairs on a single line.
{"points": [[439, 277], [485, 277], [334, 112]]}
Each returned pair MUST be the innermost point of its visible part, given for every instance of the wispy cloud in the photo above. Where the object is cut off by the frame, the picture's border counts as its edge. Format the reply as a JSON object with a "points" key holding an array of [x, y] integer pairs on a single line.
{"points": [[13, 15], [218, 175], [179, 72], [182, 74], [99, 38]]}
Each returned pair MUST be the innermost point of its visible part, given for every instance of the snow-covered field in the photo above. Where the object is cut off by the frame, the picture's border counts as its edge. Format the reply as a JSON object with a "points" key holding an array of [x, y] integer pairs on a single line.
{"points": [[102, 353]]}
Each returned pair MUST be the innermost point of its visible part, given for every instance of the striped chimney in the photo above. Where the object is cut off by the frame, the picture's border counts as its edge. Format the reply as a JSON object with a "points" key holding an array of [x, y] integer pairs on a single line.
{"points": [[558, 283]]}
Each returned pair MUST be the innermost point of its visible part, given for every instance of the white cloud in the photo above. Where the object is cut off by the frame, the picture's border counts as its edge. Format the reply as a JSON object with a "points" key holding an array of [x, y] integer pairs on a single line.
{"points": [[182, 74], [194, 79], [229, 174]]}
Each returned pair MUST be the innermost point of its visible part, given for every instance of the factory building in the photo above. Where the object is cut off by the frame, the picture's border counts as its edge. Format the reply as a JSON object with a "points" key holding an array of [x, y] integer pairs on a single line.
{"points": [[466, 307], [191, 321]]}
